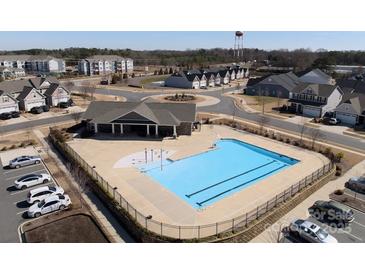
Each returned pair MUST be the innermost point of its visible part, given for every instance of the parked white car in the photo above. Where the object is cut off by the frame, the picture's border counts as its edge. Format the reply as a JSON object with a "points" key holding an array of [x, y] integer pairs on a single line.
{"points": [[310, 232], [32, 180], [50, 204], [41, 193]]}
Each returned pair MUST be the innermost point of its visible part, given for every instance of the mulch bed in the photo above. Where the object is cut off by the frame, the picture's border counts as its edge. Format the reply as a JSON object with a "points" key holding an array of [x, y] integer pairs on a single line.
{"points": [[79, 228]]}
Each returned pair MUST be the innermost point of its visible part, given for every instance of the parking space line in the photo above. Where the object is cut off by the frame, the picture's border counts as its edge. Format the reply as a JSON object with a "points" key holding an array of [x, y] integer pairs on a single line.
{"points": [[11, 178], [22, 212], [30, 188], [359, 224], [22, 168], [352, 235]]}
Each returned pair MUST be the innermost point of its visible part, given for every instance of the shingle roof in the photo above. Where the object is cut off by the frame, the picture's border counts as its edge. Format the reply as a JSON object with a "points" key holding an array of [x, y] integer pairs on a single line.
{"points": [[323, 90], [287, 80], [106, 58], [14, 85], [316, 71], [25, 92], [160, 113], [357, 85]]}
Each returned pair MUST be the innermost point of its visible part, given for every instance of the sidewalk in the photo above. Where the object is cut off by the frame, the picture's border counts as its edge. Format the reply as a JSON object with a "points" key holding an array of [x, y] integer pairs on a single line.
{"points": [[270, 235], [110, 224]]}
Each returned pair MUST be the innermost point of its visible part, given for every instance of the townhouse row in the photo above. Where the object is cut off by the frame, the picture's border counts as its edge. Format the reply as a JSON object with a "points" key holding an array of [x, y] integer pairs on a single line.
{"points": [[24, 95], [195, 79], [313, 93]]}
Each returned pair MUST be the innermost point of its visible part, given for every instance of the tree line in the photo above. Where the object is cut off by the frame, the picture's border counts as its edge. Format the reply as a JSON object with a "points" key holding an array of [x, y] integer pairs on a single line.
{"points": [[194, 58]]}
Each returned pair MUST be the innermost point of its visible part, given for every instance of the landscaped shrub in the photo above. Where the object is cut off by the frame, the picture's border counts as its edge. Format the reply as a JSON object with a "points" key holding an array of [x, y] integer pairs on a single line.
{"points": [[4, 148], [339, 156], [13, 146], [32, 142], [338, 192], [295, 143], [287, 140], [327, 151]]}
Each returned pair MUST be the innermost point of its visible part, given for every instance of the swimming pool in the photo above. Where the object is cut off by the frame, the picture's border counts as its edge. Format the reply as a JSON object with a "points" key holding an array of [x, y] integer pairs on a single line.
{"points": [[206, 178]]}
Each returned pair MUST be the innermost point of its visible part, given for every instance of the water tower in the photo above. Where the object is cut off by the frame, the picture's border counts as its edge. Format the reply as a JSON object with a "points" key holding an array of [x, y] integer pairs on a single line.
{"points": [[238, 44]]}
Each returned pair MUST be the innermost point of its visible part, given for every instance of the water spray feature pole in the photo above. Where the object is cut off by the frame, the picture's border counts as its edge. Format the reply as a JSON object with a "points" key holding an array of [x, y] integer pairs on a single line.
{"points": [[145, 154], [151, 155], [161, 159]]}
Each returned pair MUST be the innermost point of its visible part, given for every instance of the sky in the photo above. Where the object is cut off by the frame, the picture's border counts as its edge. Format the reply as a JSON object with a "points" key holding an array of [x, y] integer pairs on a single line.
{"points": [[181, 40]]}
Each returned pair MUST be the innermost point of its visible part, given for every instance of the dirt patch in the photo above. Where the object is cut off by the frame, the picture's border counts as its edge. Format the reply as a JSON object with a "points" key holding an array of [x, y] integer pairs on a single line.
{"points": [[256, 102], [84, 100], [80, 228], [15, 140]]}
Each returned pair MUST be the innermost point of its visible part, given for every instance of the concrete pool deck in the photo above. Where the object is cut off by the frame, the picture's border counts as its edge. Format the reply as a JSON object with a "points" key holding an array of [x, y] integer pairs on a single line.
{"points": [[151, 198]]}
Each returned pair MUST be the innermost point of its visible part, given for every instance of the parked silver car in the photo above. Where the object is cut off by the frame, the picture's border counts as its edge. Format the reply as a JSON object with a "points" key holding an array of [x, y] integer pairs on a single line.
{"points": [[310, 232], [41, 193], [356, 184], [24, 161]]}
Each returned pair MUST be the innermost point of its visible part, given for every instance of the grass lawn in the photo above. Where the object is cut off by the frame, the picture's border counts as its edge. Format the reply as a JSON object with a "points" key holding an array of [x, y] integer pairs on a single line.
{"points": [[153, 79]]}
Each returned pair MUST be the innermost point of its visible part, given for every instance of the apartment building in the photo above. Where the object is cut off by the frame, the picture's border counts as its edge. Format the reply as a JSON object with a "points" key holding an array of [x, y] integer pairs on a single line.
{"points": [[34, 64], [105, 64]]}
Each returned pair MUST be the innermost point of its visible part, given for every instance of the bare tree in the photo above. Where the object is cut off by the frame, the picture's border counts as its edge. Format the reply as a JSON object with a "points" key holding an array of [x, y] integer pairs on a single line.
{"points": [[315, 134], [262, 121], [302, 128], [69, 85], [81, 179]]}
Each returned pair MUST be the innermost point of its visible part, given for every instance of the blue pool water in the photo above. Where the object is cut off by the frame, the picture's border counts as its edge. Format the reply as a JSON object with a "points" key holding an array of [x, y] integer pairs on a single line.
{"points": [[206, 178]]}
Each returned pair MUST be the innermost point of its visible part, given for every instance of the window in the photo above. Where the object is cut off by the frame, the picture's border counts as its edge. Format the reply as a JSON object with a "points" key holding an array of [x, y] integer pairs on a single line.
{"points": [[5, 99]]}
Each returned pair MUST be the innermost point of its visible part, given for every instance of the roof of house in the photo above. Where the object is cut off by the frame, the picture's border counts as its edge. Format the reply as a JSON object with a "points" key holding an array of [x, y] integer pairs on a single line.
{"points": [[317, 71], [159, 113], [287, 80], [357, 85], [14, 85], [25, 92], [254, 81], [38, 81], [323, 90], [52, 88], [356, 100]]}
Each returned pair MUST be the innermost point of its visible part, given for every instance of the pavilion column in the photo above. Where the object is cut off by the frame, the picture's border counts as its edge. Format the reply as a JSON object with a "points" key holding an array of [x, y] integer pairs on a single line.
{"points": [[95, 127], [175, 131], [156, 130], [113, 130], [121, 129], [148, 130]]}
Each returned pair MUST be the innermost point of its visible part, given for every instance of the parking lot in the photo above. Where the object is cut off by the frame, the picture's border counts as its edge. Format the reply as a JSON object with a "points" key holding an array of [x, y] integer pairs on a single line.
{"points": [[12, 201], [351, 233]]}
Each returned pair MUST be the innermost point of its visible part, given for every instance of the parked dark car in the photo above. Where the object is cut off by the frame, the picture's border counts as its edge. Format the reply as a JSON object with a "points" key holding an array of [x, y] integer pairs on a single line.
{"points": [[64, 104], [45, 108], [15, 114], [331, 211], [356, 184], [71, 103], [36, 110], [5, 116]]}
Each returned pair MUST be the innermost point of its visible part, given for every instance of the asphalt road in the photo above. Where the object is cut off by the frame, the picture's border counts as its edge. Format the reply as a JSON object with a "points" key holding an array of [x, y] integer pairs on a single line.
{"points": [[13, 202], [225, 106]]}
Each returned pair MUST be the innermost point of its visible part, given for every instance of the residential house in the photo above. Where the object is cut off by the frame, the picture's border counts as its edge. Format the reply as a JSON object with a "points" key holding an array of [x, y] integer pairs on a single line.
{"points": [[357, 86], [351, 110], [105, 64], [7, 102], [279, 85], [56, 94], [183, 80], [35, 92], [142, 118], [30, 98], [316, 76], [314, 100], [11, 73]]}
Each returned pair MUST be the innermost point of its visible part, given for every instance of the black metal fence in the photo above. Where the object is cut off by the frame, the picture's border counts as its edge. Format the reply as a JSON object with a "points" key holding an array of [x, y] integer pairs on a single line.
{"points": [[190, 232]]}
